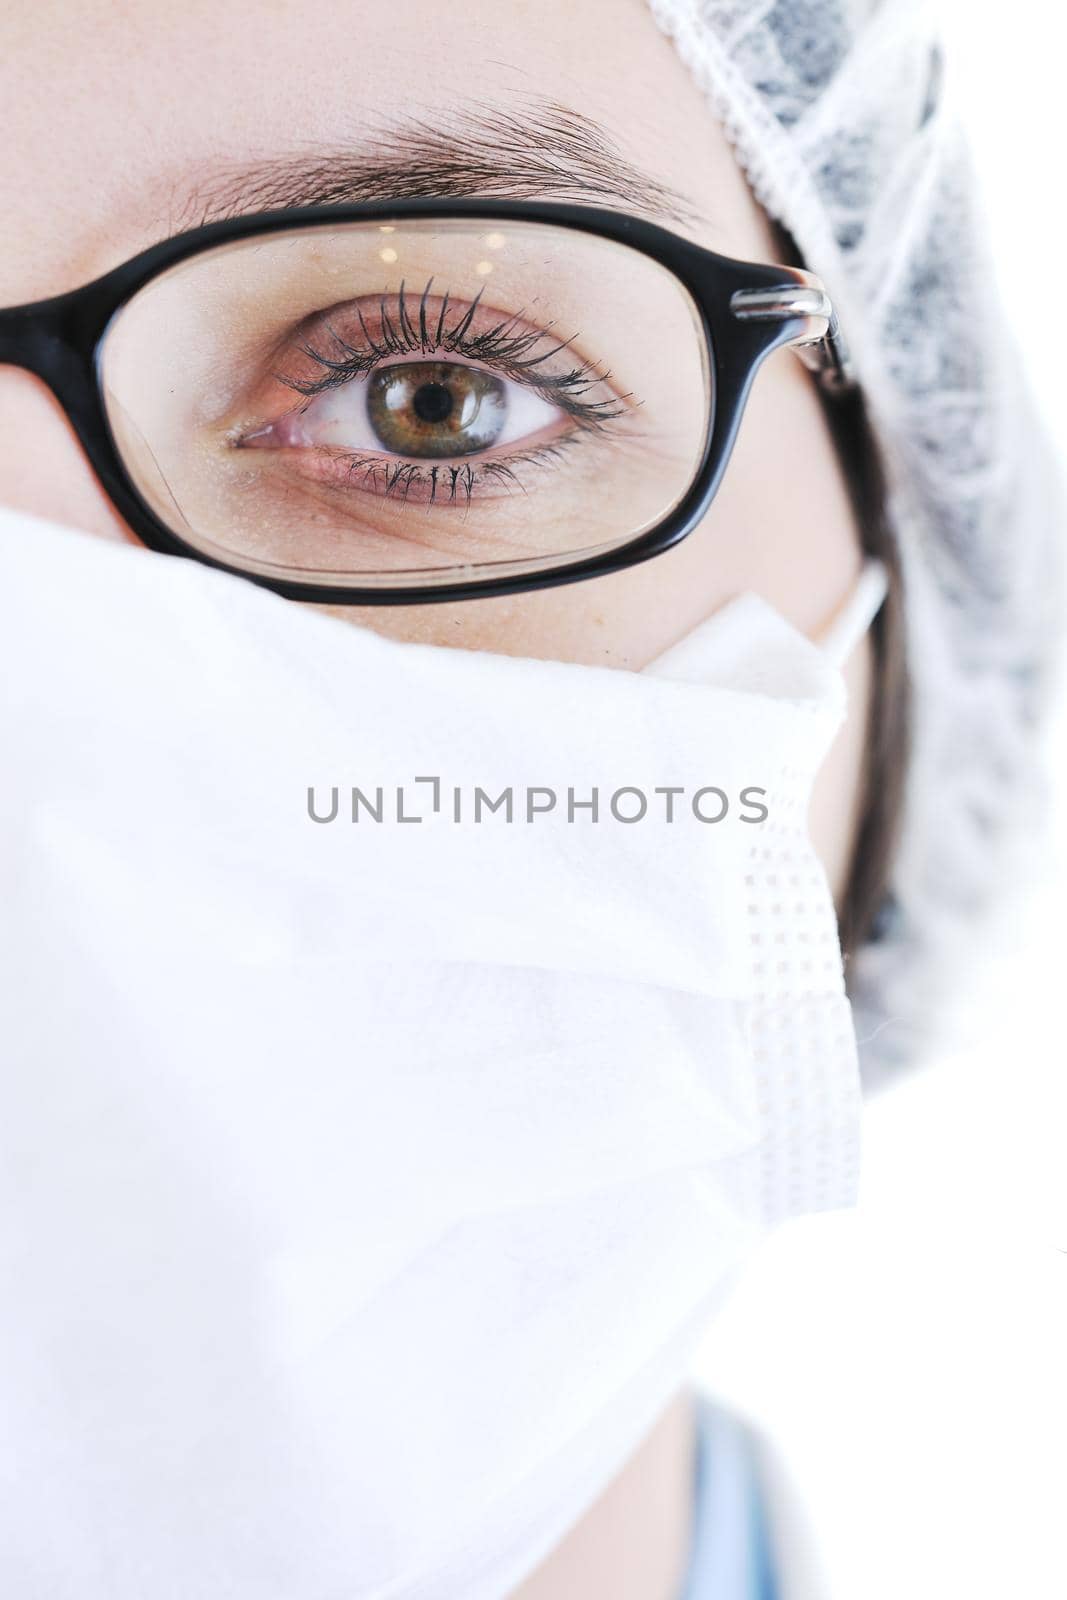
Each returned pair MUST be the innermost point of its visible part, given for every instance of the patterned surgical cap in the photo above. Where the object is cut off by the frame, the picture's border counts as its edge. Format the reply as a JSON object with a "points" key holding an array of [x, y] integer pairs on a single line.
{"points": [[838, 114]]}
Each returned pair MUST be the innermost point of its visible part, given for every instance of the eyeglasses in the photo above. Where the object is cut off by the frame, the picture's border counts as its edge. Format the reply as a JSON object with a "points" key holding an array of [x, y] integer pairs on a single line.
{"points": [[421, 400]]}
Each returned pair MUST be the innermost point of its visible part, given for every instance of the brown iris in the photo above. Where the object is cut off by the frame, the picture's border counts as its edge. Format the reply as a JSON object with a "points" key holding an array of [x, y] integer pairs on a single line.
{"points": [[435, 408]]}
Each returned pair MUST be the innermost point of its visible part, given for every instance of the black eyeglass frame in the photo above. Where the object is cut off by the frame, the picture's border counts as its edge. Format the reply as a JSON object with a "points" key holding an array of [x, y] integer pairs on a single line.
{"points": [[747, 310]]}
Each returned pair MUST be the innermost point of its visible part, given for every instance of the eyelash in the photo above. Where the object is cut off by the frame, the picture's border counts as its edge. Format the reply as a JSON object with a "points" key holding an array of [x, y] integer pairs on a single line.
{"points": [[496, 346], [453, 483]]}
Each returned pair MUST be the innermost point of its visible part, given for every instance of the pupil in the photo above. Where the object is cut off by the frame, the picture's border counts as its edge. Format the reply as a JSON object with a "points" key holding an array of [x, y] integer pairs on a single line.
{"points": [[432, 402], [433, 409]]}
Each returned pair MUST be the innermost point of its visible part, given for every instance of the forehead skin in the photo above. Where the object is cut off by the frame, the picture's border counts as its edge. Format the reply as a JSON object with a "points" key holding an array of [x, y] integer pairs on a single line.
{"points": [[123, 121]]}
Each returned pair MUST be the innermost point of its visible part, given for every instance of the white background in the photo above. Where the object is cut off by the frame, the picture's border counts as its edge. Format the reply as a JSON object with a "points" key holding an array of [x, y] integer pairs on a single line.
{"points": [[908, 1359]]}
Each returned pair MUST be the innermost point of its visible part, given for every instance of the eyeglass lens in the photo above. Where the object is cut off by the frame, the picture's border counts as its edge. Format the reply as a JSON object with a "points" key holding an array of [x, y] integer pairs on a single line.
{"points": [[372, 403]]}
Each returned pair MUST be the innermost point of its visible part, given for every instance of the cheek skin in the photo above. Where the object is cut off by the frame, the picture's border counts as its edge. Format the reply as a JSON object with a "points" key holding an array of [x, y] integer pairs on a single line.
{"points": [[42, 468]]}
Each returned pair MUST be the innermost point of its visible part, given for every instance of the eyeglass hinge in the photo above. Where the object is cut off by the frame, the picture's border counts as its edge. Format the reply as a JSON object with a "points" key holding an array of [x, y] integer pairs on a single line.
{"points": [[822, 346]]}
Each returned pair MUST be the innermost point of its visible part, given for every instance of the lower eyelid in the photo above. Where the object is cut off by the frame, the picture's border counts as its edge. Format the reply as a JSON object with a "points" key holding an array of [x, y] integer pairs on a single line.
{"points": [[429, 481]]}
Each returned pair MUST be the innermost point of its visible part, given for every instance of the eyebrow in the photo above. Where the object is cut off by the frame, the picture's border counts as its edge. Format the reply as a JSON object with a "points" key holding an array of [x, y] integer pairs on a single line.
{"points": [[544, 151]]}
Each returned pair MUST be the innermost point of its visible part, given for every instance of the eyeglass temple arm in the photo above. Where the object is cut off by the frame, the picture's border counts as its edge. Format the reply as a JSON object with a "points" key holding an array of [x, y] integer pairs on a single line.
{"points": [[821, 344]]}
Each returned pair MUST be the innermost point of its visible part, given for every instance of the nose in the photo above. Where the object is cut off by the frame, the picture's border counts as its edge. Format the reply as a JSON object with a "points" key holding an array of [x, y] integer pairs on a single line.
{"points": [[43, 469]]}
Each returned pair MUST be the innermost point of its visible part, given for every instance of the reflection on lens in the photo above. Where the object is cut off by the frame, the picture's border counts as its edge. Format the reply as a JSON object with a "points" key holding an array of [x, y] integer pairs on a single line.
{"points": [[287, 409]]}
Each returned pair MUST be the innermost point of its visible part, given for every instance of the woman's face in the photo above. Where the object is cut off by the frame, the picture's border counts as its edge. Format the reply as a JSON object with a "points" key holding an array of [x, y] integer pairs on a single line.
{"points": [[138, 121]]}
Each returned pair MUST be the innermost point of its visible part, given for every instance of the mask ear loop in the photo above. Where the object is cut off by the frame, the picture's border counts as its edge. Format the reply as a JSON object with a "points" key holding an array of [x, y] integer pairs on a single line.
{"points": [[844, 630]]}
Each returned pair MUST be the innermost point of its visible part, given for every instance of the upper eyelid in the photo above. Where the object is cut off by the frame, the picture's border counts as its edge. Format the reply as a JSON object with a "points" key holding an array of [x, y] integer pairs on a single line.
{"points": [[442, 336], [566, 389]]}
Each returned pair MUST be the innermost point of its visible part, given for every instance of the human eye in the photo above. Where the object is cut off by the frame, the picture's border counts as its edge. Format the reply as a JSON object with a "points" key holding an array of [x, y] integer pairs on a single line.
{"points": [[432, 399], [373, 402]]}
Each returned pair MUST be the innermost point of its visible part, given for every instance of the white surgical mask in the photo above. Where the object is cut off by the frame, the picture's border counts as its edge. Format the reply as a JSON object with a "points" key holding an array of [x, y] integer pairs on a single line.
{"points": [[367, 1183]]}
